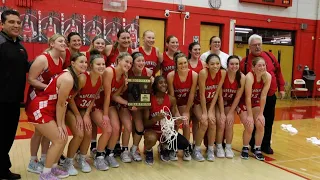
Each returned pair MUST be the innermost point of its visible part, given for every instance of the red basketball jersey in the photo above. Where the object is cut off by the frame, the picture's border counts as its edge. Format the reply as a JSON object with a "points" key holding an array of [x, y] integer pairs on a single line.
{"points": [[133, 35], [52, 69], [143, 73], [256, 91], [211, 87], [229, 90], [115, 85], [182, 89], [67, 60], [42, 109], [198, 68], [45, 77], [50, 31], [111, 60], [73, 28], [167, 65], [88, 93], [156, 109], [151, 60]]}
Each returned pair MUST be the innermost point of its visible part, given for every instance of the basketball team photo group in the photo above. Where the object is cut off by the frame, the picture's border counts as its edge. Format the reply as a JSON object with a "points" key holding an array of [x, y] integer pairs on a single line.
{"points": [[108, 99]]}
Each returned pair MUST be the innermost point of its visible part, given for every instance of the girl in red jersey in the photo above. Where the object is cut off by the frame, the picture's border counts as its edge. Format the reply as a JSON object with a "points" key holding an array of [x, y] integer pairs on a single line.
{"points": [[47, 112], [112, 33], [74, 45], [195, 63], [152, 134], [134, 36], [94, 30], [99, 44], [72, 27], [182, 85], [166, 59], [44, 67], [150, 53], [28, 29], [138, 69], [50, 27], [113, 80], [229, 98], [78, 116], [210, 83], [251, 107], [121, 45]]}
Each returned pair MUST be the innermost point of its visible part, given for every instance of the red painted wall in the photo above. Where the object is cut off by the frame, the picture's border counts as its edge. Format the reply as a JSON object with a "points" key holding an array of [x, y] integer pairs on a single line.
{"points": [[306, 52]]}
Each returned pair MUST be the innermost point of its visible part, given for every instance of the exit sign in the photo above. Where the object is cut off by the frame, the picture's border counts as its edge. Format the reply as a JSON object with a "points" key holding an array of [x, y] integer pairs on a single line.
{"points": [[281, 3]]}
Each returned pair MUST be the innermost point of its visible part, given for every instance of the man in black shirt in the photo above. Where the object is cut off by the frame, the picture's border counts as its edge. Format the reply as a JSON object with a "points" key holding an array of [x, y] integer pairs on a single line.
{"points": [[14, 66]]}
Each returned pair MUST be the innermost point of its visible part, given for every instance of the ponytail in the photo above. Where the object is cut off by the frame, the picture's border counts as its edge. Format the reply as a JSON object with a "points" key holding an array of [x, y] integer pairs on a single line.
{"points": [[75, 79], [73, 58], [238, 78]]}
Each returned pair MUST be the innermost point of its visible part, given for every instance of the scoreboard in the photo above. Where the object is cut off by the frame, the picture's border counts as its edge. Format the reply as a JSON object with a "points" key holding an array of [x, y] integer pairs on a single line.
{"points": [[281, 3]]}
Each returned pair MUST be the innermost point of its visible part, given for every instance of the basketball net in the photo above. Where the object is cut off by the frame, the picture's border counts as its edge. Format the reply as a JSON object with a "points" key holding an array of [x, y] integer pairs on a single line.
{"points": [[169, 135]]}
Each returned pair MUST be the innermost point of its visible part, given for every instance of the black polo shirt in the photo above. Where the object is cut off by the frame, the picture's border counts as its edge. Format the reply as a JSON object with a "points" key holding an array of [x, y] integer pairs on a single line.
{"points": [[13, 68]]}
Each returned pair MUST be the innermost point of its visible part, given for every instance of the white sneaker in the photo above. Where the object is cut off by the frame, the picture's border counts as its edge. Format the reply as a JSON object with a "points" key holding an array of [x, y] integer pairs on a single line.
{"points": [[186, 155], [135, 155], [173, 156], [112, 161], [84, 166], [35, 167], [68, 165], [100, 164], [197, 155], [229, 153], [220, 152], [210, 155], [125, 157]]}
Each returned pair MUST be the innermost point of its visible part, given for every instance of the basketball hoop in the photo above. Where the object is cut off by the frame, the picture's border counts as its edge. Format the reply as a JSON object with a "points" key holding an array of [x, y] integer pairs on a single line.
{"points": [[115, 5]]}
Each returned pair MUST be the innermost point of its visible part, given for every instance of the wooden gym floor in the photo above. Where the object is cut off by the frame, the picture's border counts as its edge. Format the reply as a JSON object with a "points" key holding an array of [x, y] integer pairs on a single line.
{"points": [[294, 157]]}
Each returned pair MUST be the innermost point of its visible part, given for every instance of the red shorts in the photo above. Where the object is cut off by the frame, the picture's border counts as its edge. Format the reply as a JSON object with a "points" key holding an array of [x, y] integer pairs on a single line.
{"points": [[40, 116], [228, 103], [242, 107], [182, 101], [197, 102], [99, 105]]}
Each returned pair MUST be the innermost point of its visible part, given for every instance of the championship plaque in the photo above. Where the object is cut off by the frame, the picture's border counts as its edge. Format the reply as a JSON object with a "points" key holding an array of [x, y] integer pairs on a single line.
{"points": [[139, 91]]}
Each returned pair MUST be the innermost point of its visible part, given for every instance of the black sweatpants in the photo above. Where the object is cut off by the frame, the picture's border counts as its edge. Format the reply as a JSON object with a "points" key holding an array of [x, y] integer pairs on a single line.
{"points": [[10, 113], [269, 113], [183, 143]]}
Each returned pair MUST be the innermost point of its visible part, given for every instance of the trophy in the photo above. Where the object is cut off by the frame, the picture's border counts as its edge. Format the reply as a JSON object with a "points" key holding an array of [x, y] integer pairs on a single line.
{"points": [[139, 91]]}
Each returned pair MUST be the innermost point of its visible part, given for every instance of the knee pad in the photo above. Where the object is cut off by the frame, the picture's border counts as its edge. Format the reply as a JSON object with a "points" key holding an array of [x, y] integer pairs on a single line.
{"points": [[139, 133]]}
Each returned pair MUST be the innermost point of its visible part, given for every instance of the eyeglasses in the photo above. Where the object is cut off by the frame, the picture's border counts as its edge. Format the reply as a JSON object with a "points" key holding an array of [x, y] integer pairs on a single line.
{"points": [[256, 45]]}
